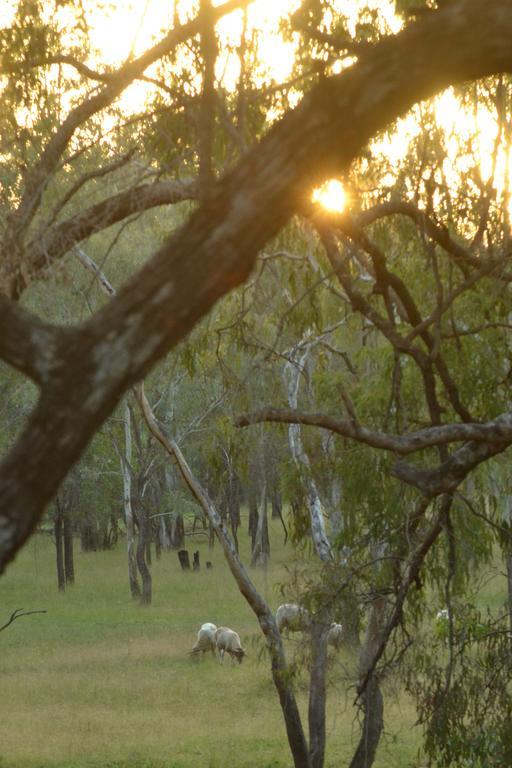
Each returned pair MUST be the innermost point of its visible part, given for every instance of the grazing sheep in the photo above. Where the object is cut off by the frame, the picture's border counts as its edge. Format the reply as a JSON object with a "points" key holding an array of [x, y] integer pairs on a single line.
{"points": [[228, 640], [335, 635], [205, 640], [292, 617]]}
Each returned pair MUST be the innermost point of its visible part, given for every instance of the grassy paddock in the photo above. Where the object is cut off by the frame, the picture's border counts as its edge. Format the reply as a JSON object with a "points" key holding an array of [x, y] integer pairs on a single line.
{"points": [[100, 681]]}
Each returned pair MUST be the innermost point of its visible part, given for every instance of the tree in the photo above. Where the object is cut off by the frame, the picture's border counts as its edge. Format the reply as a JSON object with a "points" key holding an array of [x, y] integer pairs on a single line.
{"points": [[79, 371], [82, 371]]}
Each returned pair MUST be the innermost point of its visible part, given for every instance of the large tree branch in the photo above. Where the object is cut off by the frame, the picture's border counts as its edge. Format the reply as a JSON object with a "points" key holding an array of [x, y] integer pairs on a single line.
{"points": [[27, 343], [43, 251], [498, 430], [25, 66], [446, 477], [217, 247]]}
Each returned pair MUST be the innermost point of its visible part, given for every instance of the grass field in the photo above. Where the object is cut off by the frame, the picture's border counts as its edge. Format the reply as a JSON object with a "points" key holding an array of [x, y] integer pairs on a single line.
{"points": [[100, 681]]}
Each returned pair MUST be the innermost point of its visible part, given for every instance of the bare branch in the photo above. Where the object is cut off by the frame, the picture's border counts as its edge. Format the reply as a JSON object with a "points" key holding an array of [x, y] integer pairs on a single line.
{"points": [[98, 173], [497, 430], [446, 477], [80, 67], [461, 254], [16, 615], [43, 251]]}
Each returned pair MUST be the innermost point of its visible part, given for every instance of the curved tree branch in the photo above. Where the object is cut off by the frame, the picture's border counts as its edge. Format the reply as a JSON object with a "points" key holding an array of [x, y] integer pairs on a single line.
{"points": [[27, 343], [43, 251], [461, 254], [497, 430]]}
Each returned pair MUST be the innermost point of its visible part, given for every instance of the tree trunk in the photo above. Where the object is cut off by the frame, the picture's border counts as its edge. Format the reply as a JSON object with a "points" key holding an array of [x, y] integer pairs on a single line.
{"points": [[373, 725], [276, 505], [508, 559], [317, 691], [372, 701], [177, 536], [158, 543], [127, 500], [233, 499], [69, 565], [184, 559], [261, 547], [88, 537], [144, 571], [164, 534], [253, 514], [57, 528], [292, 373]]}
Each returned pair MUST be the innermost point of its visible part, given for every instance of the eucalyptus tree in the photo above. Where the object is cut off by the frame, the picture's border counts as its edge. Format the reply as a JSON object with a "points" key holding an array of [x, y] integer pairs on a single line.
{"points": [[83, 370], [421, 281]]}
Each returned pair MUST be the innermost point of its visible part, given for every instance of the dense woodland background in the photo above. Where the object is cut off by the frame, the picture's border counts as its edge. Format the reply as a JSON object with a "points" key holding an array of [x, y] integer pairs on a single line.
{"points": [[341, 379]]}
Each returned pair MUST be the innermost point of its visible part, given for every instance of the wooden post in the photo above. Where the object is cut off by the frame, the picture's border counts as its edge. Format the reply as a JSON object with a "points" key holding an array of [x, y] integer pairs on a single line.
{"points": [[184, 559]]}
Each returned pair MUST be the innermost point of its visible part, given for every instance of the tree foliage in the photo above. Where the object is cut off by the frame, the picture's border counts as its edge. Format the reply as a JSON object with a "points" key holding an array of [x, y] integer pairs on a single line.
{"points": [[386, 325]]}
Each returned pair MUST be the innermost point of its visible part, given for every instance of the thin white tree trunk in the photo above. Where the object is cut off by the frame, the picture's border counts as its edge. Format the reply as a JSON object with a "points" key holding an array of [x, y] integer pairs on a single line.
{"points": [[126, 462], [292, 373]]}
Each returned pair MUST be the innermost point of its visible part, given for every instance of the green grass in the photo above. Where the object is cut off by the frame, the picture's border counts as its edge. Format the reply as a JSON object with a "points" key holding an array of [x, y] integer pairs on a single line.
{"points": [[100, 681]]}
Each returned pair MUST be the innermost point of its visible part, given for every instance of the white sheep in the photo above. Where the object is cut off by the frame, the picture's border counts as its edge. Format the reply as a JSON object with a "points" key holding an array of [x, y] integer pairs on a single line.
{"points": [[228, 640], [205, 639], [292, 618], [335, 635]]}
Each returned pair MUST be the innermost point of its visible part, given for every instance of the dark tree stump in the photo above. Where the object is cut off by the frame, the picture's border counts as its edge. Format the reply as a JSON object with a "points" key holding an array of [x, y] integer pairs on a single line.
{"points": [[184, 559], [209, 565], [196, 566]]}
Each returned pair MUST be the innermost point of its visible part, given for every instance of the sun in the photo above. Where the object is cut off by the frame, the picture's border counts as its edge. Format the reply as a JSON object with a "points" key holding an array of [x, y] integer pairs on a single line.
{"points": [[331, 195]]}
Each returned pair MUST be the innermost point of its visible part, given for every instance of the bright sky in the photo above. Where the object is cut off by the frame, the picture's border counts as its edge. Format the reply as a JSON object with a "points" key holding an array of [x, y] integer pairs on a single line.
{"points": [[131, 26]]}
